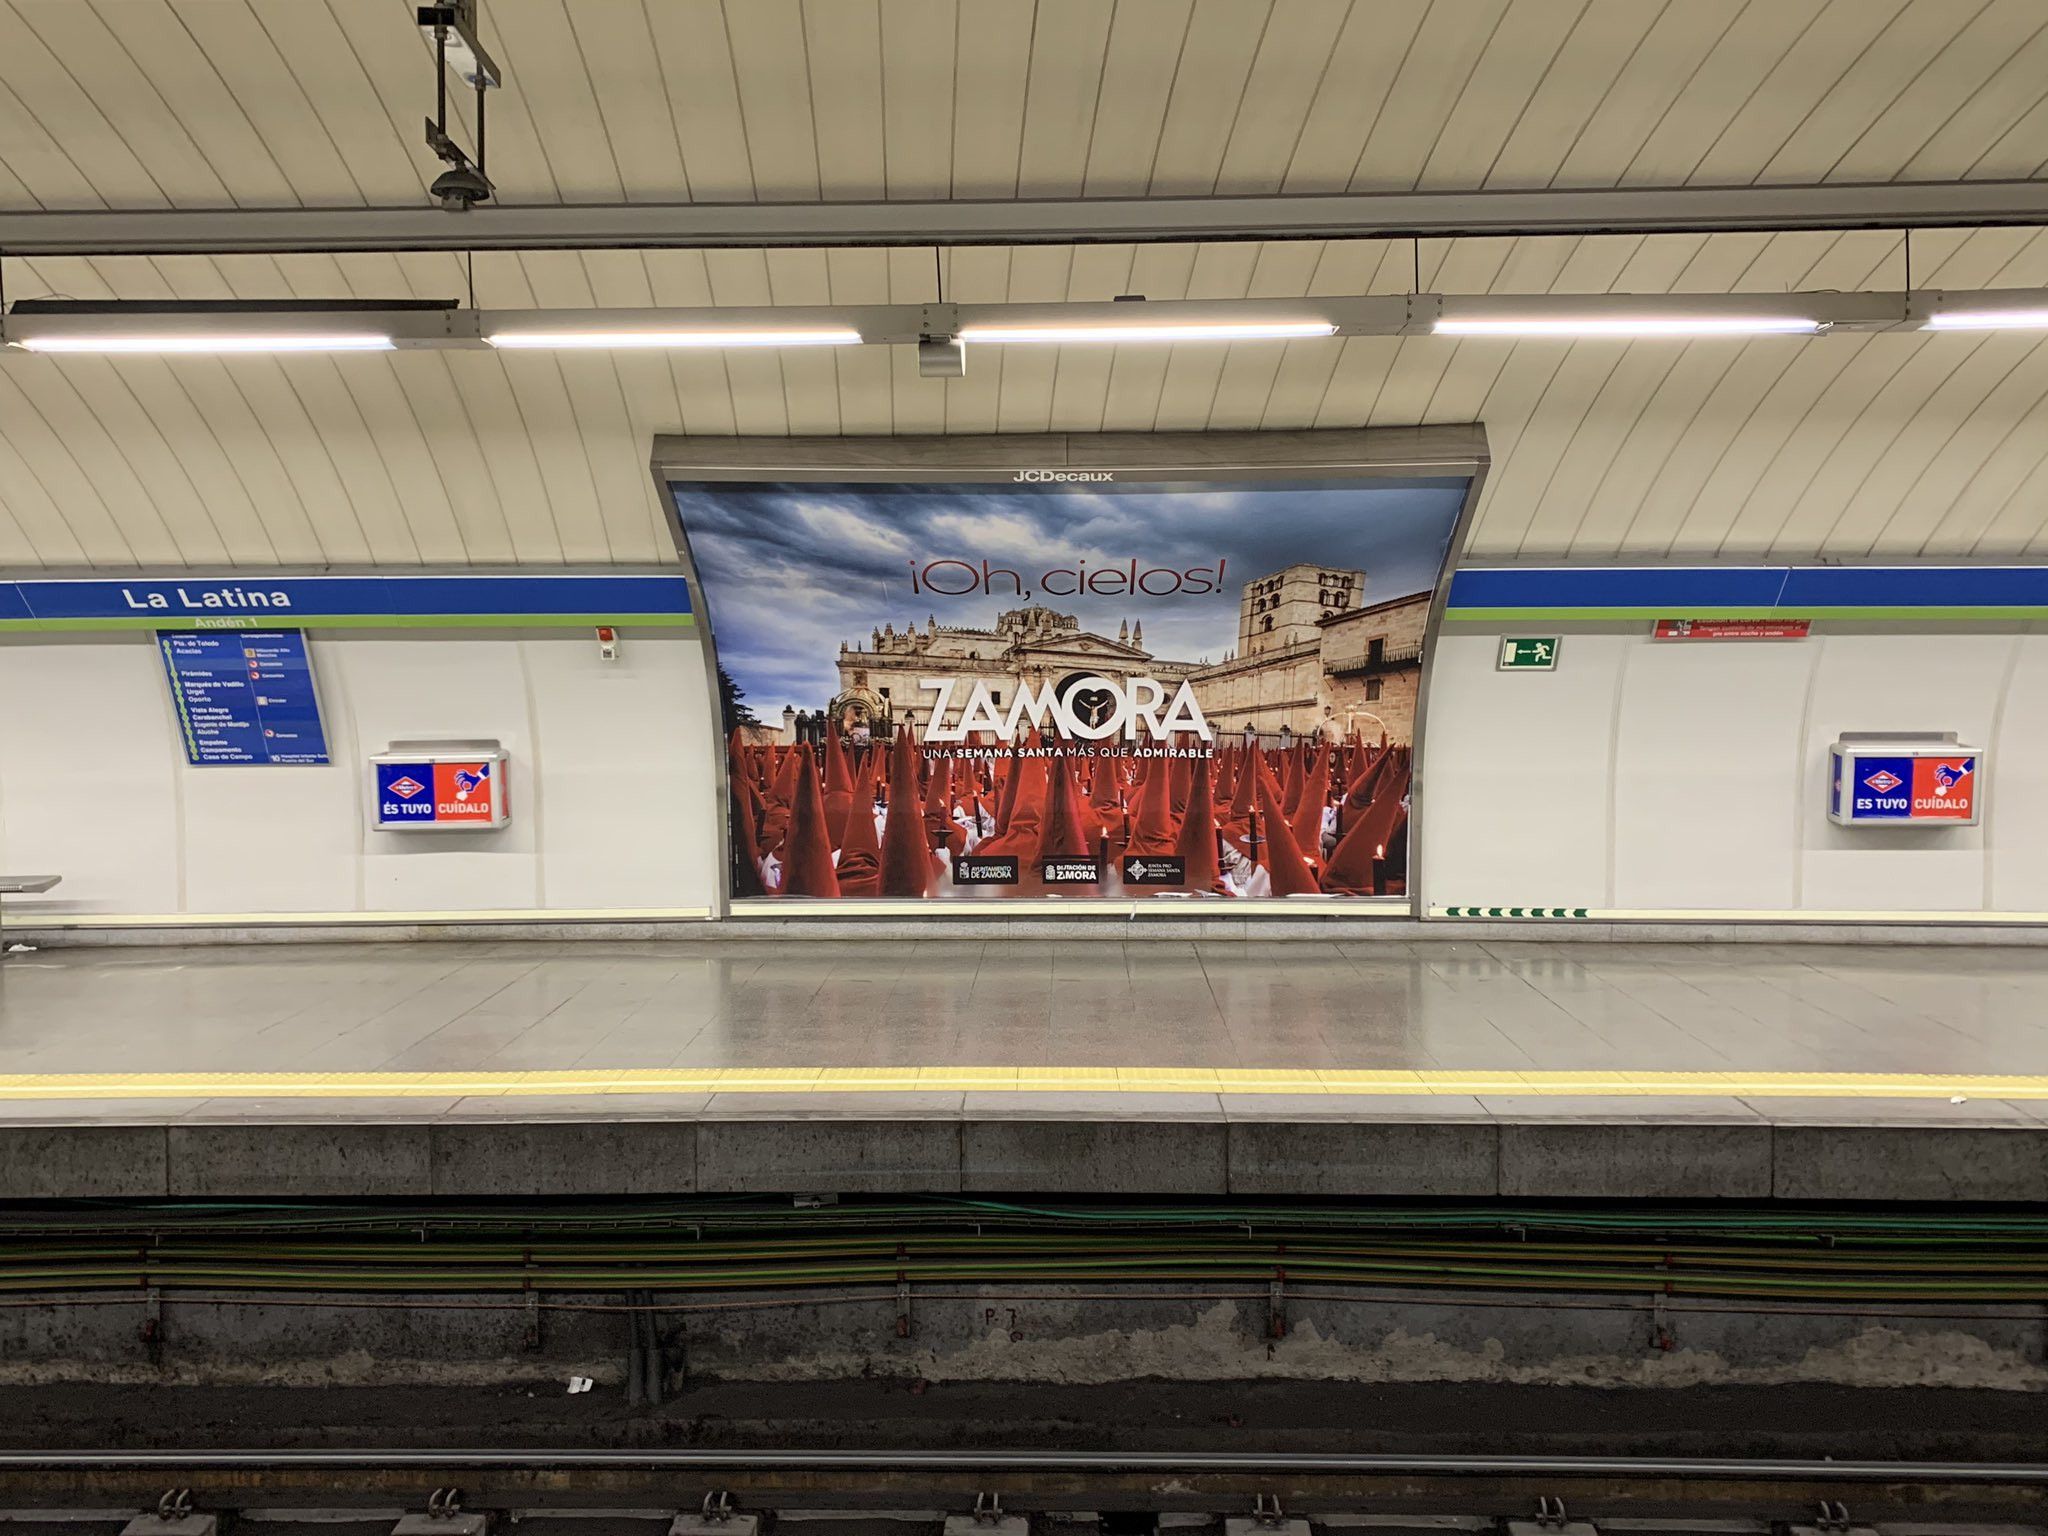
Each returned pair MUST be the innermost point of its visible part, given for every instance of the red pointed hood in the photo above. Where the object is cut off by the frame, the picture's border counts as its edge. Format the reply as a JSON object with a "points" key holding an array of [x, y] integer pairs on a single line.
{"points": [[1366, 782], [1291, 874], [785, 775], [1291, 779], [906, 856], [1061, 835], [938, 804], [1305, 816], [807, 854], [781, 796], [1023, 804], [860, 852], [1154, 830], [1365, 839], [746, 843], [1181, 779], [1251, 768], [838, 781], [1105, 791], [1197, 840]]}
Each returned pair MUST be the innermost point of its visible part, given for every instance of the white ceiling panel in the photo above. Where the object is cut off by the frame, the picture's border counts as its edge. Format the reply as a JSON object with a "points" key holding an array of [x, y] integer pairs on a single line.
{"points": [[1896, 444], [208, 103]]}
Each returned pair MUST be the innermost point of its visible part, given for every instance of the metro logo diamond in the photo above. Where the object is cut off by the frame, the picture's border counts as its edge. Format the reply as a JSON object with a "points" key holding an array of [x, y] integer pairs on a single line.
{"points": [[402, 793], [1880, 789]]}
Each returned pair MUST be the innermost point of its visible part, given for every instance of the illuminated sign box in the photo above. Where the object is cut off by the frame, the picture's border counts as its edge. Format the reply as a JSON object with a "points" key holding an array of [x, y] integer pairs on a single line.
{"points": [[1904, 779], [421, 786]]}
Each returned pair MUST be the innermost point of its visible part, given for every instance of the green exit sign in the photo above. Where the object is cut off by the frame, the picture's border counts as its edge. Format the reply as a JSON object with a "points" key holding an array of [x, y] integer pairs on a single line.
{"points": [[1528, 653]]}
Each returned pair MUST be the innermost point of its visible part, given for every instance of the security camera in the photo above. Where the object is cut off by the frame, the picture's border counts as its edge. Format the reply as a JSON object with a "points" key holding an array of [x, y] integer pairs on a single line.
{"points": [[460, 188]]}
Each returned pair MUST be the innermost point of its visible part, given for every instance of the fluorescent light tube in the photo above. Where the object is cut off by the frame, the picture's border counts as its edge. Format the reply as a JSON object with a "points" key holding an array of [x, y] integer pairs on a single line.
{"points": [[1988, 320], [1634, 325], [598, 340], [145, 343], [1222, 330]]}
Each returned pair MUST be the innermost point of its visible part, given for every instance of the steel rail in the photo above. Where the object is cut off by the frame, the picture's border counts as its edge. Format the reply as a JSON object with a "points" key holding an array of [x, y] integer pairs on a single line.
{"points": [[1704, 1468], [1030, 221]]}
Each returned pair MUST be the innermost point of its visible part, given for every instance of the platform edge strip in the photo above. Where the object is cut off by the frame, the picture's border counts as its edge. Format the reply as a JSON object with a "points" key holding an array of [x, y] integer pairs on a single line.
{"points": [[1000, 1079]]}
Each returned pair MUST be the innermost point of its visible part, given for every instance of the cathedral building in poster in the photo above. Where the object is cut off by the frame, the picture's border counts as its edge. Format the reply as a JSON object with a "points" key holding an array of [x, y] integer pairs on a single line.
{"points": [[1309, 656]]}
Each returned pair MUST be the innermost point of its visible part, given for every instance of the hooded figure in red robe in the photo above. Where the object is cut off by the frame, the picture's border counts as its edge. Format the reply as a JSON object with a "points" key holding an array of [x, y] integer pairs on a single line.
{"points": [[1024, 797], [807, 852], [1350, 871], [860, 853], [1288, 871], [1153, 832], [906, 855], [1062, 835], [746, 847], [838, 781], [1196, 844], [780, 798]]}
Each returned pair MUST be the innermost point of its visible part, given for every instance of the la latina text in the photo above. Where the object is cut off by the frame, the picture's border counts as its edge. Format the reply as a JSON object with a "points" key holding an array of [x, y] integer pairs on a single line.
{"points": [[206, 598]]}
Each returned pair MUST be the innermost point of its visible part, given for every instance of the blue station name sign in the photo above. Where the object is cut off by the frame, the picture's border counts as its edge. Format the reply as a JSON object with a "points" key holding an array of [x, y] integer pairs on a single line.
{"points": [[465, 600]]}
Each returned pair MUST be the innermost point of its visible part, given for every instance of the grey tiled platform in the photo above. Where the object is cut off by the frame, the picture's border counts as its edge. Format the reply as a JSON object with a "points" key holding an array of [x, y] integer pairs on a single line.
{"points": [[501, 1006], [1493, 1006]]}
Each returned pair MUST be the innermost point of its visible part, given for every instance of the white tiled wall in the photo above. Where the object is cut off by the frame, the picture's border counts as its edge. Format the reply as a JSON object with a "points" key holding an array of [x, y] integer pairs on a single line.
{"points": [[611, 779], [1692, 775]]}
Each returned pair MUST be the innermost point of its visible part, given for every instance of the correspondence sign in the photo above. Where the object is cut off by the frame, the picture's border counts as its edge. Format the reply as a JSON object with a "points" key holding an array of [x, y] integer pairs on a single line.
{"points": [[363, 602]]}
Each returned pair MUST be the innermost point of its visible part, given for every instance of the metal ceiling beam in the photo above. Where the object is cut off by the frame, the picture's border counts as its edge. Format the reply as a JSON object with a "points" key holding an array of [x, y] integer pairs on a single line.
{"points": [[1375, 215]]}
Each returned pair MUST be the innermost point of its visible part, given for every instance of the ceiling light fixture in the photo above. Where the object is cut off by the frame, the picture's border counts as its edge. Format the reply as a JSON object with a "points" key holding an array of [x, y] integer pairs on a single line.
{"points": [[1169, 331], [1588, 327], [599, 340], [1988, 320], [145, 343]]}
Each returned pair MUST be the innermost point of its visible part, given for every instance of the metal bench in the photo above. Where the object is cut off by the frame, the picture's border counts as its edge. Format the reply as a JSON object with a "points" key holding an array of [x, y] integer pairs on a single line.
{"points": [[22, 885]]}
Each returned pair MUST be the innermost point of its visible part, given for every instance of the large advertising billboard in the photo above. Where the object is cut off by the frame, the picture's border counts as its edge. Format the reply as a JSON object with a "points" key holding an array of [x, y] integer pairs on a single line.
{"points": [[1078, 684]]}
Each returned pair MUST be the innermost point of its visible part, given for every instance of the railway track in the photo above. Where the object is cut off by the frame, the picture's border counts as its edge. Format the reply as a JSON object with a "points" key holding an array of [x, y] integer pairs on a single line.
{"points": [[149, 1493]]}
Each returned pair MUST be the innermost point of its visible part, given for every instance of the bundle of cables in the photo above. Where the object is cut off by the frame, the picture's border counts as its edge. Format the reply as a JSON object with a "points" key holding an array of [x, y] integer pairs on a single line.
{"points": [[755, 1245]]}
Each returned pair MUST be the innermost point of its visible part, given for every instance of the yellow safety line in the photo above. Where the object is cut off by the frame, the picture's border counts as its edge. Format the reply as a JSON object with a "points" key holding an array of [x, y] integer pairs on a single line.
{"points": [[992, 1079]]}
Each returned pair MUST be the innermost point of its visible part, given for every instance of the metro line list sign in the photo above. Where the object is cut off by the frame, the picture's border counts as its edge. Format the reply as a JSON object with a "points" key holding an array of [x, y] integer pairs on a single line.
{"points": [[245, 698]]}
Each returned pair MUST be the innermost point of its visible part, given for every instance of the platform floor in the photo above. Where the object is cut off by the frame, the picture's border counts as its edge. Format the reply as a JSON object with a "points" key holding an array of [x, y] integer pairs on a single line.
{"points": [[439, 1028], [1371, 1070]]}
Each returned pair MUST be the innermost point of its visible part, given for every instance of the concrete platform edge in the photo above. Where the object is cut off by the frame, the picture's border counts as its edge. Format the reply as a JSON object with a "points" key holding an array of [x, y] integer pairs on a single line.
{"points": [[1414, 1156]]}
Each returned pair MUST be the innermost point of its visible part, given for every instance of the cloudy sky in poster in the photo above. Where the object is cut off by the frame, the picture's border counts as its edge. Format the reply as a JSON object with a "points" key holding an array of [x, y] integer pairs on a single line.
{"points": [[790, 570]]}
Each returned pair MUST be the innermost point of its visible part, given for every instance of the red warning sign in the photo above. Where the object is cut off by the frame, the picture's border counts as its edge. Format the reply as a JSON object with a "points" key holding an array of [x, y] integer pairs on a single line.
{"points": [[1733, 629], [462, 791]]}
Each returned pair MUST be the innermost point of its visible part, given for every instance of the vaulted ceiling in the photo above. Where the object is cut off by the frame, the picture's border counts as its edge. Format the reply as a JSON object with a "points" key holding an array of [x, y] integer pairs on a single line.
{"points": [[1895, 444]]}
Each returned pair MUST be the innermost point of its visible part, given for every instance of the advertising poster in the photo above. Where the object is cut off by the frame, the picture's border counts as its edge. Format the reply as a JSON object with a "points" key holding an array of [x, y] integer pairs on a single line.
{"points": [[1033, 687]]}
